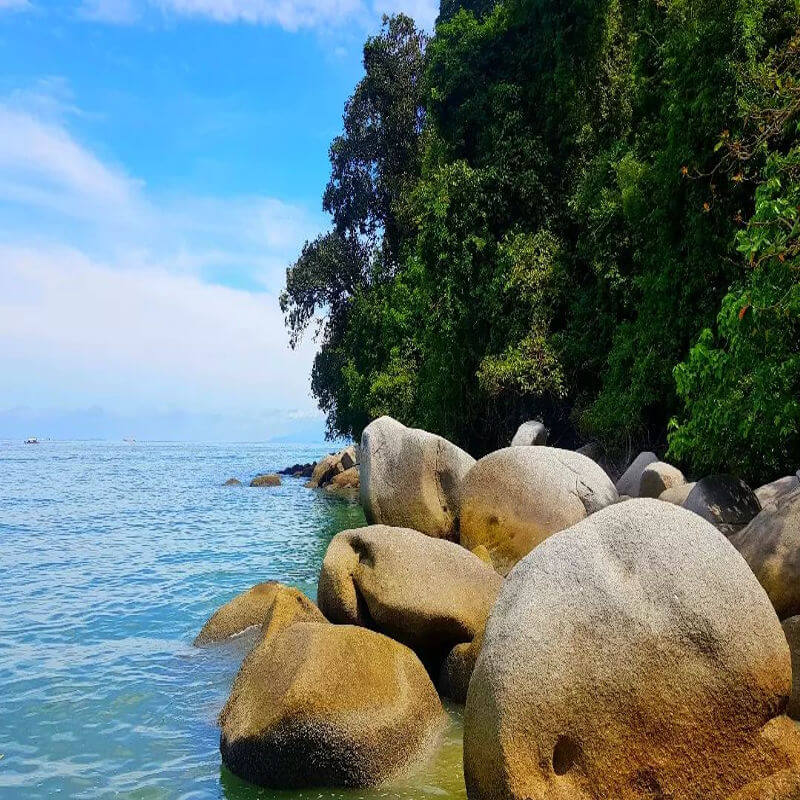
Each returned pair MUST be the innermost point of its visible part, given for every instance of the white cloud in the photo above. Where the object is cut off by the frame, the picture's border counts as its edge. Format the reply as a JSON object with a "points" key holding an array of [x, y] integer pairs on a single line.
{"points": [[79, 331], [14, 5], [113, 295], [119, 12], [291, 15]]}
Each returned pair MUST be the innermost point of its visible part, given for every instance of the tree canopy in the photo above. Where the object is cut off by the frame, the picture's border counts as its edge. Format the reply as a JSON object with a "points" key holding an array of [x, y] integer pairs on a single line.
{"points": [[583, 210]]}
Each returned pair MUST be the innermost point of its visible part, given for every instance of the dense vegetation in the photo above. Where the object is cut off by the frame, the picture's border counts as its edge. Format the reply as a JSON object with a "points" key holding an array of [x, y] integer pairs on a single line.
{"points": [[582, 210]]}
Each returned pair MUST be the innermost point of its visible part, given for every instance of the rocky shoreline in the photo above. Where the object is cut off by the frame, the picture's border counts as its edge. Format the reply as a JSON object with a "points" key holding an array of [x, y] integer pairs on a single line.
{"points": [[610, 639]]}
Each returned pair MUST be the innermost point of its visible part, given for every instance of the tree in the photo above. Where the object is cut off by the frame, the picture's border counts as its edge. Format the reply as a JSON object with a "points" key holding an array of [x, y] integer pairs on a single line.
{"points": [[374, 164]]}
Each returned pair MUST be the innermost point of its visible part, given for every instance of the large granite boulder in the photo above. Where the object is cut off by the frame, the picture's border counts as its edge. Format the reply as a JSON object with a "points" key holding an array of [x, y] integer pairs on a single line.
{"points": [[783, 785], [771, 546], [250, 609], [428, 593], [658, 477], [530, 433], [628, 484], [632, 656], [770, 492], [726, 502], [411, 478], [791, 629], [515, 498], [328, 705]]}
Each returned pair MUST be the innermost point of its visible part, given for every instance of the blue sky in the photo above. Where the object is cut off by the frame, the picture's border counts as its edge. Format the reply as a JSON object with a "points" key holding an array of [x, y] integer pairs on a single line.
{"points": [[161, 162]]}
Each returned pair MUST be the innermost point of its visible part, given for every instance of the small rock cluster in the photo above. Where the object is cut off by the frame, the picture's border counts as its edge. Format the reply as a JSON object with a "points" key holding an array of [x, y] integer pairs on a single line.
{"points": [[631, 641]]}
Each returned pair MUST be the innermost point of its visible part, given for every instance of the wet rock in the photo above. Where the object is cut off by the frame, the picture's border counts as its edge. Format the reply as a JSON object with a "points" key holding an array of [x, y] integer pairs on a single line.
{"points": [[248, 609], [331, 466], [530, 433], [347, 480], [299, 470], [726, 502], [330, 706], [232, 482], [266, 480], [631, 656], [411, 478], [515, 498]]}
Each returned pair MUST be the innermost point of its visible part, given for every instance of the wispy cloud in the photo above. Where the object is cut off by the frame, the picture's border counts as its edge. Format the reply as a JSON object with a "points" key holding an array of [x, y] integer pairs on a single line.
{"points": [[14, 5], [291, 15], [113, 294]]}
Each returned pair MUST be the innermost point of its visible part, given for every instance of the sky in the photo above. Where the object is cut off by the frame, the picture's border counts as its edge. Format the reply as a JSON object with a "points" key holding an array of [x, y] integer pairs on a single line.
{"points": [[161, 164]]}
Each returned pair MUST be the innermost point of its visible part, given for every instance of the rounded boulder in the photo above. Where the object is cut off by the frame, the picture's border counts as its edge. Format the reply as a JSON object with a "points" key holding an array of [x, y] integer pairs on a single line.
{"points": [[658, 477], [725, 501], [250, 609], [530, 433], [515, 498], [771, 546], [632, 656], [411, 478], [328, 705], [428, 593]]}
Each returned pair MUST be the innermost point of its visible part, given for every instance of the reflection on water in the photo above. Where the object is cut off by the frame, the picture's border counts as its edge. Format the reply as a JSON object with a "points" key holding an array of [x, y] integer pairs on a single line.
{"points": [[111, 558]]}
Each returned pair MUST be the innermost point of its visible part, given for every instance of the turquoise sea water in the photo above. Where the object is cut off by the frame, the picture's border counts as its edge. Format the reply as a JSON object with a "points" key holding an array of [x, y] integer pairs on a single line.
{"points": [[111, 558]]}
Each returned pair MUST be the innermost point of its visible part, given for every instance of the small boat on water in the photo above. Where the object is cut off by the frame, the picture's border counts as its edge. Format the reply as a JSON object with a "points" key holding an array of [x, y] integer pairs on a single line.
{"points": [[32, 440]]}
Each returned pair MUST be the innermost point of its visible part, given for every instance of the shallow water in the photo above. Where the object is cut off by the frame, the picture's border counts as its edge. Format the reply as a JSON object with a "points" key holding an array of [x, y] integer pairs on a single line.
{"points": [[111, 558]]}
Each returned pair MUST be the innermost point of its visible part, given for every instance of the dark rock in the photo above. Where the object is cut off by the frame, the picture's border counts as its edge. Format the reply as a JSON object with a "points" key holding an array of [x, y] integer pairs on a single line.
{"points": [[299, 470], [725, 501]]}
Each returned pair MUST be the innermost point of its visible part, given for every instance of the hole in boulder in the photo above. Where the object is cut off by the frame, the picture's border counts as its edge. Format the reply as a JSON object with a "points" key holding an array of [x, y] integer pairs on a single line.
{"points": [[565, 754]]}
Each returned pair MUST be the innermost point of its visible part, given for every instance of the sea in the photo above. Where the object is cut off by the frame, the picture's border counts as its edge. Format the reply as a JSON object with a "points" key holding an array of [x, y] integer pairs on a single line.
{"points": [[112, 556]]}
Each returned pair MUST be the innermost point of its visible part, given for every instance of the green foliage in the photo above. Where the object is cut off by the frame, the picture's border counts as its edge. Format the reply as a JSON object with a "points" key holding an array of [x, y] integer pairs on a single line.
{"points": [[545, 213], [741, 382]]}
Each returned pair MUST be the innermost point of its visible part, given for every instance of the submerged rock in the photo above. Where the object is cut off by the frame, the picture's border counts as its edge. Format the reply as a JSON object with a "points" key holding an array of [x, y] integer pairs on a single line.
{"points": [[515, 498], [411, 478], [529, 433], [232, 482], [631, 656], [266, 480], [428, 593], [771, 546], [252, 608], [658, 477], [726, 502], [328, 705], [628, 484]]}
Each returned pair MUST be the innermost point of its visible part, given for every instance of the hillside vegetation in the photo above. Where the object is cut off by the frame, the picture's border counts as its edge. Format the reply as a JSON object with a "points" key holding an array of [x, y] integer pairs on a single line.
{"points": [[582, 210]]}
